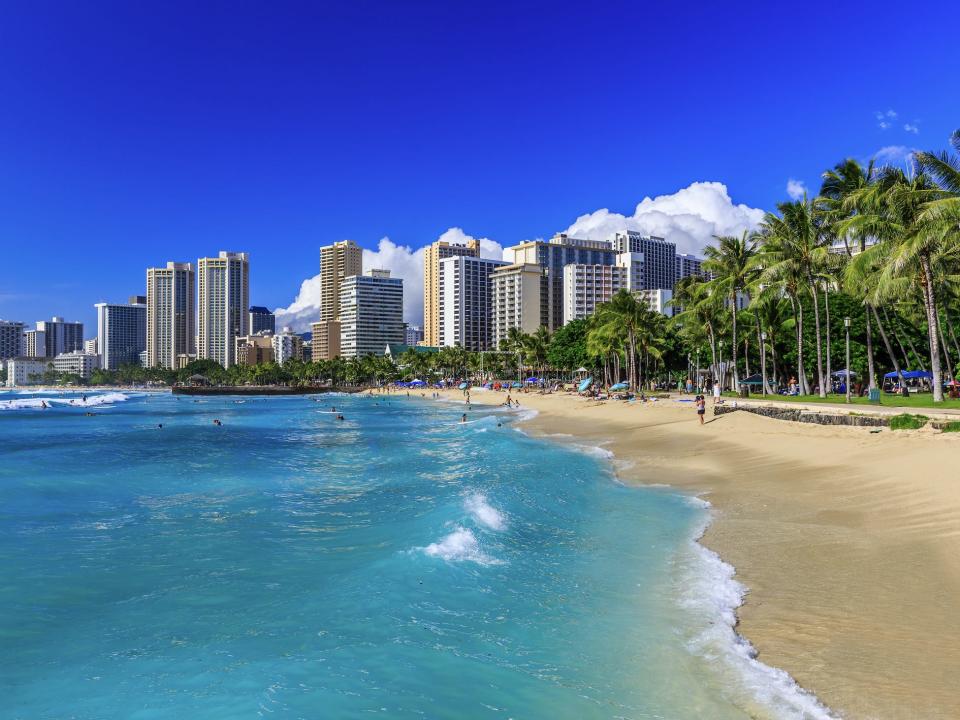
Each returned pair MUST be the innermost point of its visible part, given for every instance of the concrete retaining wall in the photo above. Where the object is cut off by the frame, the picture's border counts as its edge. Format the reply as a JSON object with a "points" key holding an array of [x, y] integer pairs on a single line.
{"points": [[806, 416]]}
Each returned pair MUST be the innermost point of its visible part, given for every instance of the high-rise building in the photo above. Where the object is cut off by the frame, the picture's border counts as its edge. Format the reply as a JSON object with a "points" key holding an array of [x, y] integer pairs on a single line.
{"points": [[35, 343], [413, 335], [287, 345], [61, 336], [687, 265], [633, 264], [657, 300], [121, 333], [325, 340], [254, 349], [171, 314], [518, 299], [465, 301], [91, 346], [586, 286], [76, 363], [337, 262], [659, 257], [223, 299], [371, 313], [261, 319], [11, 339], [553, 256], [432, 255]]}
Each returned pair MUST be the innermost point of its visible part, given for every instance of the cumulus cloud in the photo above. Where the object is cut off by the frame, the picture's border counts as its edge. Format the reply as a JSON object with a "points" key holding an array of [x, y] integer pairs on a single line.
{"points": [[885, 119], [689, 217], [401, 260], [796, 189], [911, 128], [900, 155]]}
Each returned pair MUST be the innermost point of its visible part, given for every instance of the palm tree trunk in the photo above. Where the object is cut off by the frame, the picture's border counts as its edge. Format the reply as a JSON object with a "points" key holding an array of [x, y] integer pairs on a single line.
{"points": [[733, 349], [871, 369], [943, 344], [933, 327], [826, 307], [746, 355], [896, 335], [801, 371], [822, 390], [761, 344]]}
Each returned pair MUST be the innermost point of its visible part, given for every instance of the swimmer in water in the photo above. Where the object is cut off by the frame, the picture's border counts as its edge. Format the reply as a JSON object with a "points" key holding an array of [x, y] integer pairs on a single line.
{"points": [[217, 423], [463, 418], [159, 426], [339, 417]]}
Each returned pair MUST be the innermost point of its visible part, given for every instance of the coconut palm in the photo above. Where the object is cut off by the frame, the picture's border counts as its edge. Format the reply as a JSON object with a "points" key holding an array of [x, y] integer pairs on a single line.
{"points": [[731, 262]]}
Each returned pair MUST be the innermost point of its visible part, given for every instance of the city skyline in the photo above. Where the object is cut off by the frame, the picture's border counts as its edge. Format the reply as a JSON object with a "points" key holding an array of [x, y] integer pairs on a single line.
{"points": [[104, 162]]}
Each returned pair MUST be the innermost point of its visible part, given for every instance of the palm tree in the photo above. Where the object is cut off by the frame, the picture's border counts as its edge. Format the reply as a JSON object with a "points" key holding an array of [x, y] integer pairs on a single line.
{"points": [[536, 347], [731, 262], [514, 343]]}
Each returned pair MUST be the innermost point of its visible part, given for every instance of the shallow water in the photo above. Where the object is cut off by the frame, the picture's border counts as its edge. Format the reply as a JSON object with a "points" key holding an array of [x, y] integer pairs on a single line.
{"points": [[397, 563]]}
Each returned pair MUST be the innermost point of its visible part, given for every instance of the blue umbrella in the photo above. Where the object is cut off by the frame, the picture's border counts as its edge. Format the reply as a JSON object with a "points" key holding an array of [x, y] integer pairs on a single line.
{"points": [[462, 386], [619, 386], [417, 382], [532, 380], [516, 385], [584, 384]]}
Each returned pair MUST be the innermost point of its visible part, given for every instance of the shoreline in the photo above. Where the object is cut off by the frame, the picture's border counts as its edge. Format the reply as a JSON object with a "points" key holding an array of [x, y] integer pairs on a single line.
{"points": [[845, 541]]}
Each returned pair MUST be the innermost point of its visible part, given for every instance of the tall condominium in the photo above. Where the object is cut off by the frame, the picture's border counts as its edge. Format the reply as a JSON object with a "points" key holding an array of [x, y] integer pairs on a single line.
{"points": [[413, 335], [465, 301], [61, 336], [687, 265], [11, 339], [261, 319], [436, 252], [659, 257], [223, 299], [586, 286], [35, 343], [337, 262], [171, 314], [371, 313], [632, 263], [325, 340], [519, 299], [121, 333], [555, 255], [287, 345]]}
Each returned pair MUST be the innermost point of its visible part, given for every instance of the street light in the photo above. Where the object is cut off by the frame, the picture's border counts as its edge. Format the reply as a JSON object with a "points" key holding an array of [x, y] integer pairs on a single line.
{"points": [[846, 324], [763, 361]]}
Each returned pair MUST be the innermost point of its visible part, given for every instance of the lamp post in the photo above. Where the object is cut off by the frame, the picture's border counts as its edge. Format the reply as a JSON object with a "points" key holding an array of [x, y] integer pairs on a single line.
{"points": [[846, 324], [763, 361]]}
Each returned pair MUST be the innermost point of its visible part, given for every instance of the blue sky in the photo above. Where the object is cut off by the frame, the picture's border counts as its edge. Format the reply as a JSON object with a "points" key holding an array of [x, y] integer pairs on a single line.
{"points": [[136, 133]]}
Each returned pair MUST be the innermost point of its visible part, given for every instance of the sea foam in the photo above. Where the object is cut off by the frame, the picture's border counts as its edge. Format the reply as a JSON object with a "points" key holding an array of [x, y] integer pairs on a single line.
{"points": [[711, 591], [483, 513], [460, 546]]}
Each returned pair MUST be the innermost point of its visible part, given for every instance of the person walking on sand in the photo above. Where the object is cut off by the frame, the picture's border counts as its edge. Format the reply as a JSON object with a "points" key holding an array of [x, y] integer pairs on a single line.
{"points": [[716, 394], [701, 407]]}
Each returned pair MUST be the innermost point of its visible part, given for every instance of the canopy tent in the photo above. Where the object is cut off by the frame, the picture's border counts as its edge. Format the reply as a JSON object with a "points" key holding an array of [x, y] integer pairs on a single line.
{"points": [[584, 384], [911, 374], [619, 386], [752, 380], [581, 370], [532, 380]]}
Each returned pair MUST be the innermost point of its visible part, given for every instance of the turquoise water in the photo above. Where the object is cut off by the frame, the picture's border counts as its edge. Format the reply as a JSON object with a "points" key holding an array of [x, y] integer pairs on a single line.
{"points": [[396, 563]]}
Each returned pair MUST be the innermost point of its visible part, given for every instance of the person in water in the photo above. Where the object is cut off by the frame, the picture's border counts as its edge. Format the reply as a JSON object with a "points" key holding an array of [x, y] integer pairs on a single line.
{"points": [[701, 404], [339, 417], [463, 418]]}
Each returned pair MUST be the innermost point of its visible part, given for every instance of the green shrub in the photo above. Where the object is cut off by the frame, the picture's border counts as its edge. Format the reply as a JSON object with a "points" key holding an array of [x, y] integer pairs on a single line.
{"points": [[906, 421], [952, 426]]}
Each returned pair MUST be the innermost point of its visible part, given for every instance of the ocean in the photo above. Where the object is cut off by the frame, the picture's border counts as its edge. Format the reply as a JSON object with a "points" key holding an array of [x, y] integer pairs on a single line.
{"points": [[396, 563]]}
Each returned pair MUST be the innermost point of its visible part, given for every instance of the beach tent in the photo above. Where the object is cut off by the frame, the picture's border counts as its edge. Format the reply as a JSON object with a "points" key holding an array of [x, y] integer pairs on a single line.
{"points": [[911, 374], [462, 386], [619, 386], [516, 384], [581, 370], [584, 384]]}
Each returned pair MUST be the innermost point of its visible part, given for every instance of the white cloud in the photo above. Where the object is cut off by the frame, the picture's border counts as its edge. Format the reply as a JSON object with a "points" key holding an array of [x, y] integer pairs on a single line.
{"points": [[401, 260], [796, 189], [689, 217], [884, 119], [894, 155], [911, 128]]}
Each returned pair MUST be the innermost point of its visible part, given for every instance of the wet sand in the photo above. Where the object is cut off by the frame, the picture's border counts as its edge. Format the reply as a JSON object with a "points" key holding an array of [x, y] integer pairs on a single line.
{"points": [[849, 541]]}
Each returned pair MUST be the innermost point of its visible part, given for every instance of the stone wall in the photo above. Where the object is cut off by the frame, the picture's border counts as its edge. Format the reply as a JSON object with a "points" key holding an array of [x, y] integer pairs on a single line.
{"points": [[806, 416]]}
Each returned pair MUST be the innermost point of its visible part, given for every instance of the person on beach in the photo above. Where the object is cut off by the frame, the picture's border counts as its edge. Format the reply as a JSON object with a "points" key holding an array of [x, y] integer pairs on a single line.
{"points": [[716, 393], [701, 407]]}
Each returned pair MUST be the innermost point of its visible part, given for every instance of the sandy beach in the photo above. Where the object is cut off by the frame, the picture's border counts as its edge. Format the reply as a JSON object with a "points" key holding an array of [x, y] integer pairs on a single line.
{"points": [[849, 541]]}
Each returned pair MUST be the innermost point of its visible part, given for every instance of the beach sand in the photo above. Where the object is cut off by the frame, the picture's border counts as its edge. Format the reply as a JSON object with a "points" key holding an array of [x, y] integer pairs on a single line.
{"points": [[848, 541]]}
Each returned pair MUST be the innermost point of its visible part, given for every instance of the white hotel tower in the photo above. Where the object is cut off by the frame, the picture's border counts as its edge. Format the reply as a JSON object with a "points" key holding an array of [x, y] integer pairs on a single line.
{"points": [[223, 299], [171, 314]]}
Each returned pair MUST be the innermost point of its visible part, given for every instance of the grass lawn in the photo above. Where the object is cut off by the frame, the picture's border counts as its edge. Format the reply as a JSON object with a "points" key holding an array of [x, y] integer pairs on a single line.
{"points": [[924, 400]]}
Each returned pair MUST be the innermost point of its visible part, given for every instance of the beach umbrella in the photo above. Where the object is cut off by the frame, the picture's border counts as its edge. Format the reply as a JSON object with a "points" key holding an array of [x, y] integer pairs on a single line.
{"points": [[953, 383], [581, 370], [462, 386], [584, 384], [417, 382], [532, 380], [619, 386], [516, 385]]}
